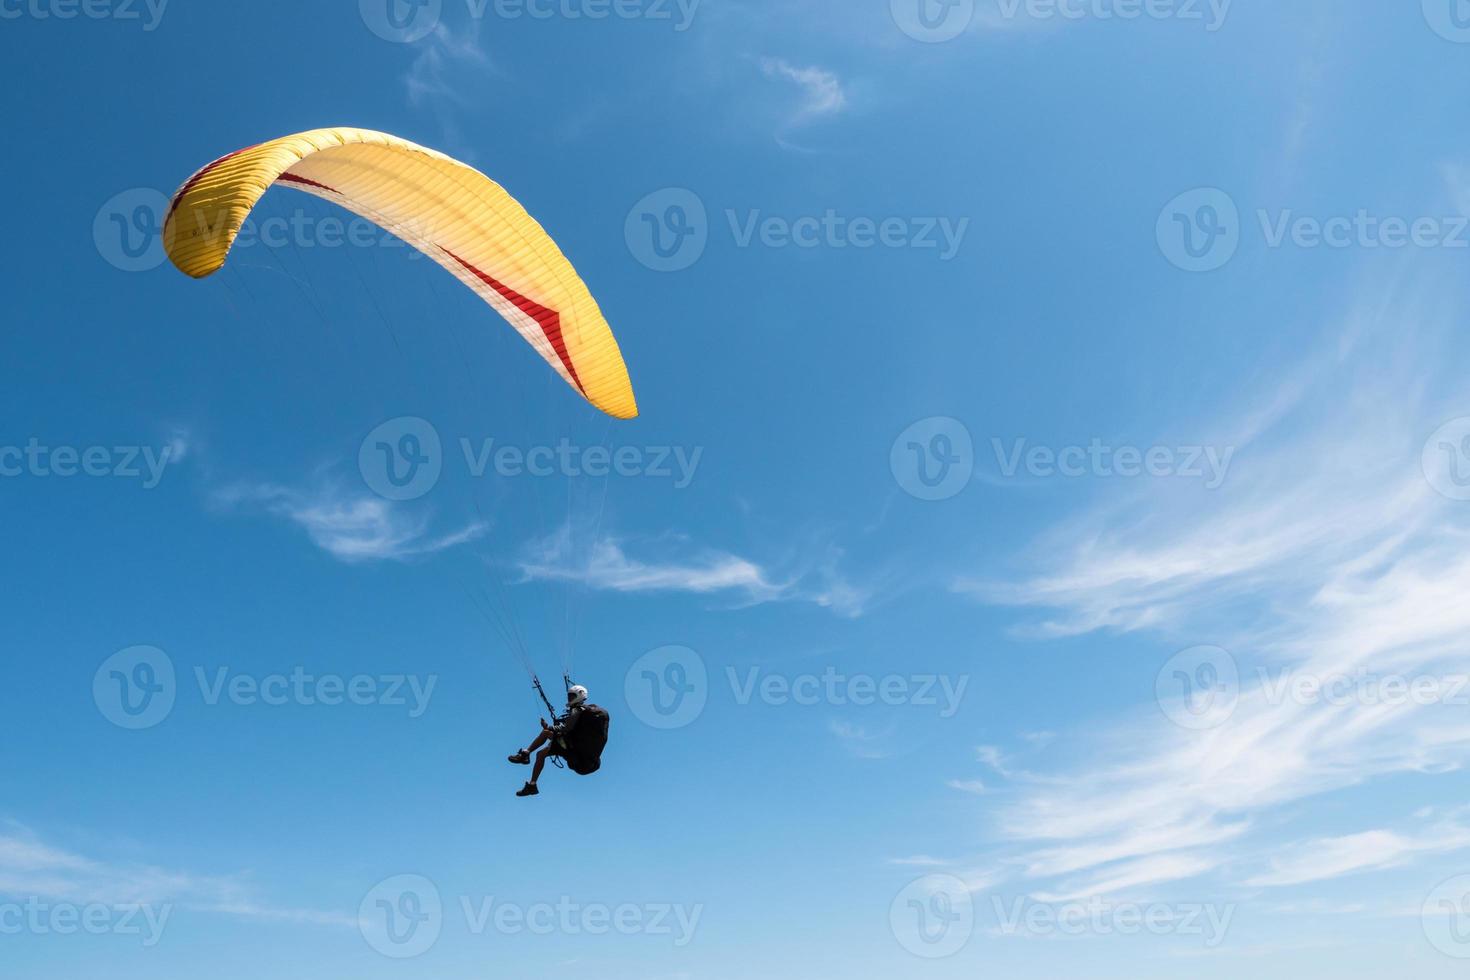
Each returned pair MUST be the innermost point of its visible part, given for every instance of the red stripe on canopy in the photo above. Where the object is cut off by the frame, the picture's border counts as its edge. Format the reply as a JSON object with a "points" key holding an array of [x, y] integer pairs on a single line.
{"points": [[549, 320], [189, 184]]}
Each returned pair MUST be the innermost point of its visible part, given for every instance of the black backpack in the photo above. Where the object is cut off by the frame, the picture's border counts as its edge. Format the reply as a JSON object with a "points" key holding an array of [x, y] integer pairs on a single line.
{"points": [[586, 741]]}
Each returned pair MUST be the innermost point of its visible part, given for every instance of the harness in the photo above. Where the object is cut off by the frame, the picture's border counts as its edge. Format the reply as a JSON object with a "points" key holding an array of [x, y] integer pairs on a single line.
{"points": [[556, 760]]}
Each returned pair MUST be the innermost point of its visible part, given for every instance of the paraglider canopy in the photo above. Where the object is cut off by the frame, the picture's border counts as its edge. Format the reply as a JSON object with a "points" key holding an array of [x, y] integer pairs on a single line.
{"points": [[446, 209]]}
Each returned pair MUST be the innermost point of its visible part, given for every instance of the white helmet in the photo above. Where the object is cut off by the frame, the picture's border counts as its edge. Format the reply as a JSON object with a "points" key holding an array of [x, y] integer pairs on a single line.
{"points": [[576, 696]]}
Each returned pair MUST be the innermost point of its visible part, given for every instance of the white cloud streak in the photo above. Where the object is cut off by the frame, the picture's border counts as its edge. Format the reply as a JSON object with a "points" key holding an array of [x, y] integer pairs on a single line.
{"points": [[605, 564], [821, 91], [33, 869], [1372, 850], [1329, 555], [444, 74], [352, 527], [859, 741]]}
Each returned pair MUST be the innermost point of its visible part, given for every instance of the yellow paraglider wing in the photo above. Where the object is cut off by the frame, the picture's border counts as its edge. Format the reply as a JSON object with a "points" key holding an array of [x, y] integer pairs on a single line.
{"points": [[446, 209]]}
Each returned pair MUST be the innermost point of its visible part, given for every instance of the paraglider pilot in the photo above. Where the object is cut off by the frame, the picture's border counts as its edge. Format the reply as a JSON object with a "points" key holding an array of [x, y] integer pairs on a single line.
{"points": [[578, 737]]}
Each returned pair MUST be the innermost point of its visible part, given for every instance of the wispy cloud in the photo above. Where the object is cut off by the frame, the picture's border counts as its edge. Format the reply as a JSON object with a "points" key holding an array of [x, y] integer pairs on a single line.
{"points": [[31, 868], [820, 94], [820, 91], [180, 444], [351, 526], [1328, 556], [678, 566], [1128, 875], [1372, 850], [445, 74], [918, 861], [829, 587], [992, 757], [860, 741], [606, 565]]}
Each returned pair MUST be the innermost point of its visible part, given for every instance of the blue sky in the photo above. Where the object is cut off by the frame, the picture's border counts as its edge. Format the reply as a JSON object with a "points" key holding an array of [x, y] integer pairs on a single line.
{"points": [[1041, 551]]}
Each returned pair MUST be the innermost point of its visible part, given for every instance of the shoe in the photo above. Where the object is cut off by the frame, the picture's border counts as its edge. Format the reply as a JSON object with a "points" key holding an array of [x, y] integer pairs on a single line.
{"points": [[521, 758], [529, 790]]}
